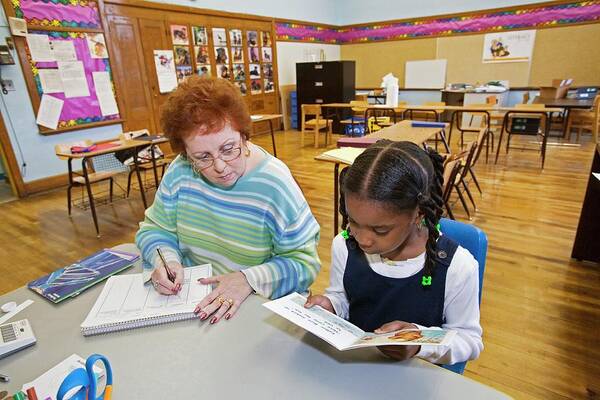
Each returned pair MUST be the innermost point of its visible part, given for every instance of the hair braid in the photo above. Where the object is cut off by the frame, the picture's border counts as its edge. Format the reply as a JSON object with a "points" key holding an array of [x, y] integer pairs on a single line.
{"points": [[342, 202]]}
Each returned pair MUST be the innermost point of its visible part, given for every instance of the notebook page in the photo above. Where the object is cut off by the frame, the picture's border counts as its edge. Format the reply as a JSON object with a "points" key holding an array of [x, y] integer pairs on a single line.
{"points": [[126, 298]]}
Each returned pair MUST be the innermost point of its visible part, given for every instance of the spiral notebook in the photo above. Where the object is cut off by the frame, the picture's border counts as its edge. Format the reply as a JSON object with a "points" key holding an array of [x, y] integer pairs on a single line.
{"points": [[127, 303]]}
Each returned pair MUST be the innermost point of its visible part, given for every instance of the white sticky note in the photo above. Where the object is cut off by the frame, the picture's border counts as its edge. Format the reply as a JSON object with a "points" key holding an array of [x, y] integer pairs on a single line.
{"points": [[39, 48], [73, 78], [105, 94], [18, 26], [49, 111], [51, 81]]}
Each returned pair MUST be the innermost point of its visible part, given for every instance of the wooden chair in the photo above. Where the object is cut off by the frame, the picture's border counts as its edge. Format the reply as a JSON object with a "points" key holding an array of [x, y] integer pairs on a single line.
{"points": [[316, 124], [585, 119], [425, 115], [460, 183], [362, 97], [525, 99], [104, 167], [358, 112], [451, 169]]}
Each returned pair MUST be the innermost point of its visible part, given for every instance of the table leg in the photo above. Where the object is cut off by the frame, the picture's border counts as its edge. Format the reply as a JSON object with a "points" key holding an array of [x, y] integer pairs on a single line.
{"points": [[273, 137], [88, 187], [545, 138], [154, 166], [504, 122], [444, 141], [565, 121], [70, 166], [336, 198], [139, 177]]}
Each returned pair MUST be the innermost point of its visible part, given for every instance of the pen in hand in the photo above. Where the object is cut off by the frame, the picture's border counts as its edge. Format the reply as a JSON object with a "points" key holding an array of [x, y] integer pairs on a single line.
{"points": [[170, 274]]}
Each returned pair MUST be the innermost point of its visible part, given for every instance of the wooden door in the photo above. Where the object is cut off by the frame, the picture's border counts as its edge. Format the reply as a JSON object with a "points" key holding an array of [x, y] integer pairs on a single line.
{"points": [[130, 73], [154, 37]]}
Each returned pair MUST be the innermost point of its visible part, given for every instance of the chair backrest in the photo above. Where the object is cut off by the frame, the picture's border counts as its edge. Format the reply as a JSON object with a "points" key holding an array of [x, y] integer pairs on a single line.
{"points": [[475, 241], [359, 106], [530, 106], [491, 99], [525, 98], [311, 109], [450, 171], [480, 138], [362, 97]]}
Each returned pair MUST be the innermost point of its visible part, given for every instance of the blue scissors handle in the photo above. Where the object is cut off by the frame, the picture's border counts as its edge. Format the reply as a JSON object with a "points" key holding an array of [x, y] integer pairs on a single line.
{"points": [[86, 380]]}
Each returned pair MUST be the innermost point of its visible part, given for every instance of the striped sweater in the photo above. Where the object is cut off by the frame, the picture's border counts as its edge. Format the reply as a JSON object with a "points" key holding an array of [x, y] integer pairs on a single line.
{"points": [[262, 226]]}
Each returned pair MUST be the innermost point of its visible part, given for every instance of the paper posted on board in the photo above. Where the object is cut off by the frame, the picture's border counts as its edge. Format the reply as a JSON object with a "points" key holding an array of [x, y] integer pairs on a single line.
{"points": [[18, 26], [105, 94], [49, 111], [64, 50], [73, 78], [51, 81], [39, 48]]}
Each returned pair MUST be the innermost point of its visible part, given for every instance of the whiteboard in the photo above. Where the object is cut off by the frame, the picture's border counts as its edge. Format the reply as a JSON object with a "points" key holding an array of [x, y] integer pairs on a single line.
{"points": [[425, 74]]}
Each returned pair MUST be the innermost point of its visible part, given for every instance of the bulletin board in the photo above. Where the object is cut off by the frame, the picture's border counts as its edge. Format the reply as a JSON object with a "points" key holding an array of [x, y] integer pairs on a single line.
{"points": [[77, 22]]}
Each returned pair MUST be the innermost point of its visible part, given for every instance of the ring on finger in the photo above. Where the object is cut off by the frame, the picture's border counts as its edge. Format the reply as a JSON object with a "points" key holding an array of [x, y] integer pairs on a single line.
{"points": [[221, 300], [155, 284], [229, 301]]}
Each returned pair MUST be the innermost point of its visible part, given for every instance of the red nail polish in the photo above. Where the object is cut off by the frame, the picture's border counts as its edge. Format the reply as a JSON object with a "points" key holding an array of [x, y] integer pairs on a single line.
{"points": [[203, 316], [213, 320], [228, 316]]}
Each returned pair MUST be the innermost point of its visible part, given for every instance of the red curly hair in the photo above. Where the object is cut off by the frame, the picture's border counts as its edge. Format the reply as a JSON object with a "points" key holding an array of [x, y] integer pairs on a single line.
{"points": [[205, 104]]}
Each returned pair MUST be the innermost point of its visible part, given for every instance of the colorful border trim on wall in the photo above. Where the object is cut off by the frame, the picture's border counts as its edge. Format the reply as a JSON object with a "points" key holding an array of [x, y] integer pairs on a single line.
{"points": [[509, 19], [58, 13]]}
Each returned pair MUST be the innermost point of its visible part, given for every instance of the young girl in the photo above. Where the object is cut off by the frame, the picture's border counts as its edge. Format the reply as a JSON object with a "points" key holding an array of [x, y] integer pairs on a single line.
{"points": [[391, 269]]}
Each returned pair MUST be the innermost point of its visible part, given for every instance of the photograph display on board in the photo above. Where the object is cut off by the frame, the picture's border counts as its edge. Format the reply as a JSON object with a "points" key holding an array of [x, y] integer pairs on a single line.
{"points": [[221, 55], [269, 86], [202, 55], [97, 45], [219, 37], [179, 34], [223, 71], [252, 38], [183, 72], [243, 87], [235, 37], [182, 55], [238, 72], [254, 71], [255, 86], [253, 54], [268, 70], [204, 70], [265, 39], [267, 55], [200, 36], [237, 54]]}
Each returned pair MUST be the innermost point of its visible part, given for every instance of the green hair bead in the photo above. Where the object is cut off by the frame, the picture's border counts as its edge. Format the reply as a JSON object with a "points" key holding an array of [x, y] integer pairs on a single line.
{"points": [[345, 234], [426, 280]]}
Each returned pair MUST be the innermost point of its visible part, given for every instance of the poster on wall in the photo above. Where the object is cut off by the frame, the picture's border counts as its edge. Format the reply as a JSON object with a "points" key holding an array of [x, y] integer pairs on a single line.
{"points": [[179, 34], [219, 37], [200, 37], [97, 45], [165, 70], [515, 46]]}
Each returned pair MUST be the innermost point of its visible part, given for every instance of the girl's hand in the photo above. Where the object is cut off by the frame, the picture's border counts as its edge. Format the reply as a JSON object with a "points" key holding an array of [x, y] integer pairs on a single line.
{"points": [[319, 300], [399, 353], [230, 292], [161, 281]]}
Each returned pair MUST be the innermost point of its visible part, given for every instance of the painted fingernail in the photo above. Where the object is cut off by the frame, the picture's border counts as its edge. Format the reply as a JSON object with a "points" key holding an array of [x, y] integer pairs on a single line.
{"points": [[203, 316], [227, 316], [213, 320]]}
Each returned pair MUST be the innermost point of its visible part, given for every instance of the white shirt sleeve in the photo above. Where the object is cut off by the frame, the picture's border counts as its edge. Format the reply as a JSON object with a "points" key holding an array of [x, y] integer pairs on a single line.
{"points": [[335, 292], [461, 313]]}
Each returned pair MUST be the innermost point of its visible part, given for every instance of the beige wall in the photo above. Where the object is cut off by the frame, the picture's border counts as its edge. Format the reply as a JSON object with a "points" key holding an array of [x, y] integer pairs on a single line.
{"points": [[374, 60], [566, 52]]}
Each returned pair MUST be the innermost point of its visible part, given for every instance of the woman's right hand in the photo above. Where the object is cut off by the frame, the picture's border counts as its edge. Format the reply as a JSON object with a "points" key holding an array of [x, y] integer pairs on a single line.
{"points": [[161, 281], [319, 300]]}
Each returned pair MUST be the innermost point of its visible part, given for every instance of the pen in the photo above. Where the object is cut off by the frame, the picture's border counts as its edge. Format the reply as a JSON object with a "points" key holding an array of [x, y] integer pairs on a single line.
{"points": [[170, 275], [4, 378], [31, 394]]}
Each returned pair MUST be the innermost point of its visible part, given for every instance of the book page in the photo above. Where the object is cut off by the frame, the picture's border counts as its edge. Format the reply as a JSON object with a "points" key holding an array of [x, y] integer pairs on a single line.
{"points": [[346, 155], [127, 298], [407, 337], [334, 330]]}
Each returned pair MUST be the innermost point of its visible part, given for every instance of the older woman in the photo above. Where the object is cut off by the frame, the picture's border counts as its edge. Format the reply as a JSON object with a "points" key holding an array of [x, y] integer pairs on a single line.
{"points": [[227, 202]]}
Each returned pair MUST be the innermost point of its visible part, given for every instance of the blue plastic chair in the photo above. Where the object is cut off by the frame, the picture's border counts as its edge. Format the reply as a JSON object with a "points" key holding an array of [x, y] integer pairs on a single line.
{"points": [[475, 240]]}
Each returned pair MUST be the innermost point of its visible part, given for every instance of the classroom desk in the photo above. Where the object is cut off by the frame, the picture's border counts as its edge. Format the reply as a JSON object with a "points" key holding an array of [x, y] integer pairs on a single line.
{"points": [[123, 145], [270, 118], [255, 355], [567, 104], [402, 131]]}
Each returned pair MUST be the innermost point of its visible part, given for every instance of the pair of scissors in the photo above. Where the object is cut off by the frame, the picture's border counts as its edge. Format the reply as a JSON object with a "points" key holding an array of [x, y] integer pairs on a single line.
{"points": [[86, 381]]}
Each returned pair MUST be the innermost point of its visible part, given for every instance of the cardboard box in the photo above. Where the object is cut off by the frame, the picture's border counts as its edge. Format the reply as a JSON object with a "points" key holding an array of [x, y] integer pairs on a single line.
{"points": [[558, 90]]}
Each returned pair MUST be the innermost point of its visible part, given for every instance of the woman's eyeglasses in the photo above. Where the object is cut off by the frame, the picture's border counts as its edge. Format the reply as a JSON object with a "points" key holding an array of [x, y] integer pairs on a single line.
{"points": [[226, 155]]}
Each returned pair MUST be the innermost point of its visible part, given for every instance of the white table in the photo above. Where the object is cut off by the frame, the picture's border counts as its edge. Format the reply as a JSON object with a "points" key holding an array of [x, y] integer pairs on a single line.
{"points": [[255, 355]]}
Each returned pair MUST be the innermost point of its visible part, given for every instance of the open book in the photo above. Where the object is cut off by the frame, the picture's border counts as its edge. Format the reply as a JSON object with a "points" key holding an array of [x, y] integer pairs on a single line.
{"points": [[345, 155], [127, 303], [343, 335]]}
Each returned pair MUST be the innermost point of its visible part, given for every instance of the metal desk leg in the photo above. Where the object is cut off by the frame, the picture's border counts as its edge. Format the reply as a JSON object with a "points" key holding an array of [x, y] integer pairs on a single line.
{"points": [[444, 141], [70, 165], [545, 138], [565, 121], [273, 138], [154, 166], [139, 177], [88, 187], [504, 122], [336, 198]]}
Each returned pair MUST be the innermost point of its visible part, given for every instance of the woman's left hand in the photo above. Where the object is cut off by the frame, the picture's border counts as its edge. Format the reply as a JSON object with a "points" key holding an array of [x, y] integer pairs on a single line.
{"points": [[230, 292], [399, 353]]}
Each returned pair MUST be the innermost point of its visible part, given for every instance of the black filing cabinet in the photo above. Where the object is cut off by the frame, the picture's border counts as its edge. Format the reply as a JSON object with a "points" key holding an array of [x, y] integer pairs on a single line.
{"points": [[325, 82]]}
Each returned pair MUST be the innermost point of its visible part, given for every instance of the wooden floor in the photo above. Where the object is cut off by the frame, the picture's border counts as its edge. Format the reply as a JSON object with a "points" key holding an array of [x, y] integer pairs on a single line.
{"points": [[540, 309]]}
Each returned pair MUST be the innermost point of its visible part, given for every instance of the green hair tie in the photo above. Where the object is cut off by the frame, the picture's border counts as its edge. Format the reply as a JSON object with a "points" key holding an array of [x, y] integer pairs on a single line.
{"points": [[438, 227], [426, 280], [345, 234]]}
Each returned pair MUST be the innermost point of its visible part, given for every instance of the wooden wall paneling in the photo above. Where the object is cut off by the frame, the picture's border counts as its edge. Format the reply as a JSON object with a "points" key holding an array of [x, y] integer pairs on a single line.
{"points": [[153, 35], [130, 73]]}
